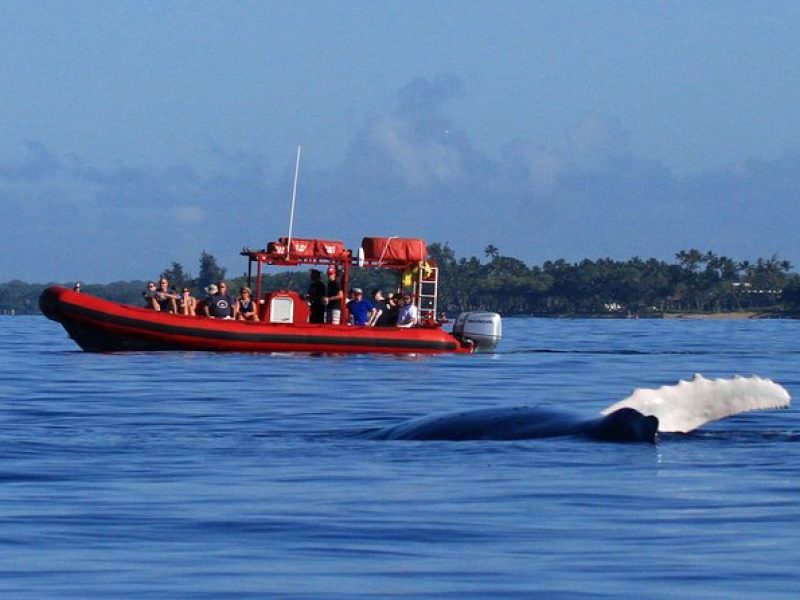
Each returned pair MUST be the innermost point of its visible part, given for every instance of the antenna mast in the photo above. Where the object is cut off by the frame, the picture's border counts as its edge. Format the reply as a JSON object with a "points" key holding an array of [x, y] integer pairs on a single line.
{"points": [[294, 197]]}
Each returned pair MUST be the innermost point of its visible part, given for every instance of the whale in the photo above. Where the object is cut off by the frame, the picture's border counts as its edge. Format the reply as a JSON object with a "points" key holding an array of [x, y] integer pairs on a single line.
{"points": [[521, 423], [677, 408]]}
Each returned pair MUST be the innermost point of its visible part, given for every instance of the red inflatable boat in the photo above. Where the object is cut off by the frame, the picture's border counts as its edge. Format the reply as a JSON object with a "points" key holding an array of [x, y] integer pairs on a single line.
{"points": [[98, 325]]}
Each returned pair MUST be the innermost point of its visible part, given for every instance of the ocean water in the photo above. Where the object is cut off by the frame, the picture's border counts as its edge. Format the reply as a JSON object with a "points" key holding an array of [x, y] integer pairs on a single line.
{"points": [[198, 475]]}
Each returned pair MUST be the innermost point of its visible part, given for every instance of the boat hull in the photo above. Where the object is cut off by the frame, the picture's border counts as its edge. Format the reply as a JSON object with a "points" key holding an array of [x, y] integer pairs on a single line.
{"points": [[98, 325]]}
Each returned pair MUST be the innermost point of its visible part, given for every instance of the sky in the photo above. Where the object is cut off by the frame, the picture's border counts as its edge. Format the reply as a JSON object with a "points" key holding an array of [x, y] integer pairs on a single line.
{"points": [[137, 133]]}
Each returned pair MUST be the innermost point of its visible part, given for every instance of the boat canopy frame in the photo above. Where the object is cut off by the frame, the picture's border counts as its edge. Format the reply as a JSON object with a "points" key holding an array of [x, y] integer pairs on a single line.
{"points": [[423, 273]]}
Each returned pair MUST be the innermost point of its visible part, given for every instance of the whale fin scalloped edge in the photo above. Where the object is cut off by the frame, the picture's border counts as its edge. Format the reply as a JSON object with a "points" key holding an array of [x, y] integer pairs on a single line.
{"points": [[687, 405]]}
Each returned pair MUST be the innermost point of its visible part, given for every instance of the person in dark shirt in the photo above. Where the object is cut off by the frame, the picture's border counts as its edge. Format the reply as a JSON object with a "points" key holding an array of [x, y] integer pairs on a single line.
{"points": [[150, 296], [315, 295], [245, 306], [389, 316], [162, 299], [381, 306], [219, 304], [333, 298]]}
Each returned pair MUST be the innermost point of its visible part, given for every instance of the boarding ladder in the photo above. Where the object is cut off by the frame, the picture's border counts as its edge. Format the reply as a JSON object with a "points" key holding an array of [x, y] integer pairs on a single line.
{"points": [[426, 291]]}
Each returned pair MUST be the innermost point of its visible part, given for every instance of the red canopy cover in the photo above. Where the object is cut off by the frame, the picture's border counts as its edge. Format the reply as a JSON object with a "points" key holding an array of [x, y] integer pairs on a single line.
{"points": [[307, 248], [394, 249]]}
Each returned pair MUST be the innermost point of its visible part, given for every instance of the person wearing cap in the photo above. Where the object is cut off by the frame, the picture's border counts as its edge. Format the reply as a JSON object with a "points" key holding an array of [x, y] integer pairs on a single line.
{"points": [[219, 304], [333, 298], [361, 309], [408, 315], [316, 292]]}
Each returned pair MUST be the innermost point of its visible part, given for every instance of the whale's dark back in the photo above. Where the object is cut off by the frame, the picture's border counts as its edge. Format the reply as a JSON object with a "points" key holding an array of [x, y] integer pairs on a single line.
{"points": [[624, 425], [520, 423]]}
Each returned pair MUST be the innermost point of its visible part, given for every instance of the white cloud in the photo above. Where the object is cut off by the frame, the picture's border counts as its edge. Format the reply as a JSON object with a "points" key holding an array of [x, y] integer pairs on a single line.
{"points": [[420, 162], [409, 171]]}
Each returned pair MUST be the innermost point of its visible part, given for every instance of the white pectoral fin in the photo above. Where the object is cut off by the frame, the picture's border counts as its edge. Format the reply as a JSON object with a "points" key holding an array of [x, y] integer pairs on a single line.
{"points": [[687, 405]]}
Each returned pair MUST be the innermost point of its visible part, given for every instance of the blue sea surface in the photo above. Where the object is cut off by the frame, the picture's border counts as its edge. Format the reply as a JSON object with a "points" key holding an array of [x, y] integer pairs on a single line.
{"points": [[201, 475]]}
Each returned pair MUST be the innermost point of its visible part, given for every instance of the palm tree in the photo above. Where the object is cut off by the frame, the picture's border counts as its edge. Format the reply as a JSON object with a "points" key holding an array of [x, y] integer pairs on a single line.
{"points": [[690, 259]]}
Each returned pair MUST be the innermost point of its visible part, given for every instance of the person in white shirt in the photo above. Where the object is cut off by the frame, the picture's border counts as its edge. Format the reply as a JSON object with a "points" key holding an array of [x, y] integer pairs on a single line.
{"points": [[408, 314]]}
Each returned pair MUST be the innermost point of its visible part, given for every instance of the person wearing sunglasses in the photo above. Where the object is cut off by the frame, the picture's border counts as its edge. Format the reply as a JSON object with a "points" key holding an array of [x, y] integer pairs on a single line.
{"points": [[219, 304]]}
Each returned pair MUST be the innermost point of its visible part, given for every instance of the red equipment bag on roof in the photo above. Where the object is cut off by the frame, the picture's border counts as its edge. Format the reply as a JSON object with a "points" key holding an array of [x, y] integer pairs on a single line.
{"points": [[276, 248], [298, 247], [394, 249], [328, 248]]}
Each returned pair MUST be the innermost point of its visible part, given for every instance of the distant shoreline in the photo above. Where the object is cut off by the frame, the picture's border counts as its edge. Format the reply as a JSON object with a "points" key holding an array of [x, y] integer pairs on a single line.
{"points": [[736, 316], [671, 316], [700, 286]]}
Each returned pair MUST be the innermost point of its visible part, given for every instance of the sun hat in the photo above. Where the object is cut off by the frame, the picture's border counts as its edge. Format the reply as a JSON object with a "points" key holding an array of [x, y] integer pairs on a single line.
{"points": [[212, 289]]}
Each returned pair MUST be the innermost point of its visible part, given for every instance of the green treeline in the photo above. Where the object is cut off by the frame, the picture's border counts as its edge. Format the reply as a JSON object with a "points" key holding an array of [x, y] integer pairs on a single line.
{"points": [[696, 282]]}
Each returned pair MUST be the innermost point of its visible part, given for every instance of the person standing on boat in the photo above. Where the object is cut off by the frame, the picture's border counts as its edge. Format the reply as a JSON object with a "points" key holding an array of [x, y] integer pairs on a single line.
{"points": [[361, 309], [408, 315], [219, 304], [315, 295], [333, 298]]}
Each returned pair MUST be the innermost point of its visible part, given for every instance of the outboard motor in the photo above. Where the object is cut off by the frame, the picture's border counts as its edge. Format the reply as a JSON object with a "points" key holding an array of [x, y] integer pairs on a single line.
{"points": [[483, 329]]}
